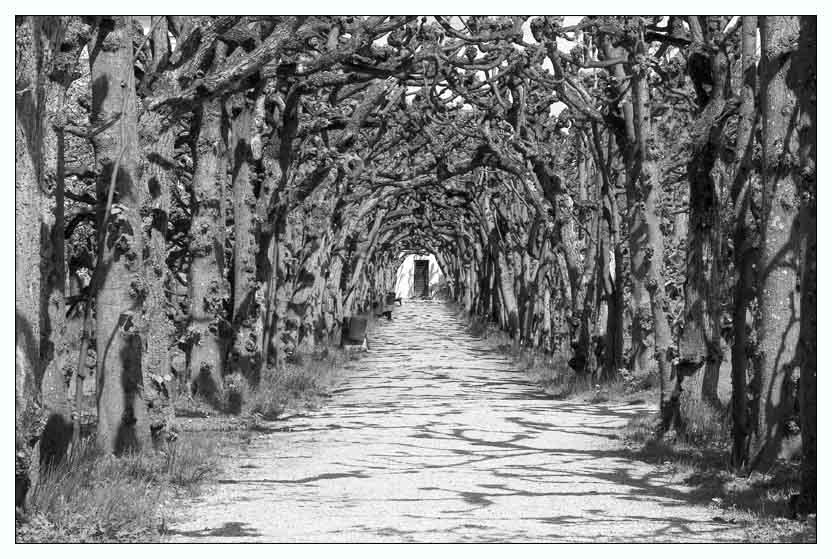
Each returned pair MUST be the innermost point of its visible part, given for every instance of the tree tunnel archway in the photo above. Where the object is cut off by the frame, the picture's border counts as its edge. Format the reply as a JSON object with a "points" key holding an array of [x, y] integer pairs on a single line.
{"points": [[244, 184]]}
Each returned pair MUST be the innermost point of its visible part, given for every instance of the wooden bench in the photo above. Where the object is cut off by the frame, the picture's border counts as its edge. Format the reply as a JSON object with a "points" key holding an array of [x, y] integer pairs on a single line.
{"points": [[354, 333]]}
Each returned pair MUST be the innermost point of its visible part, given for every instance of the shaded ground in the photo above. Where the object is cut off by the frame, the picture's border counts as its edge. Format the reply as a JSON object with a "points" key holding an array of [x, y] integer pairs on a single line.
{"points": [[434, 436]]}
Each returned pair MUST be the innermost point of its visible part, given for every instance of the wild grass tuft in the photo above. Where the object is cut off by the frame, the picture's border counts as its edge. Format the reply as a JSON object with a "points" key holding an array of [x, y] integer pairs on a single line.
{"points": [[190, 461], [705, 423]]}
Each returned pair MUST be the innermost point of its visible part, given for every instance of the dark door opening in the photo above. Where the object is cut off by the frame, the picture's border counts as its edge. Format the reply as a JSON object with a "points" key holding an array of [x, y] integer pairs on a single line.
{"points": [[421, 281]]}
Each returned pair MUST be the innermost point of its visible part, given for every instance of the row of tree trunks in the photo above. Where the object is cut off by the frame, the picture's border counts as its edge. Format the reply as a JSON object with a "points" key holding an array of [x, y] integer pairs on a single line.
{"points": [[316, 239]]}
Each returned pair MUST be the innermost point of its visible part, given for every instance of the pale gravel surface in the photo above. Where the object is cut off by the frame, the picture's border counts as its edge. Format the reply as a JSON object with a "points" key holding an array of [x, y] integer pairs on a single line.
{"points": [[432, 436]]}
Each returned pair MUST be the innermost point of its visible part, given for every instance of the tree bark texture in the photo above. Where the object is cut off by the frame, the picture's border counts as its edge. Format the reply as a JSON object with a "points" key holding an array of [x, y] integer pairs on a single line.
{"points": [[805, 77], [648, 259], [29, 133], [699, 345], [743, 260], [778, 263], [157, 181], [246, 354], [206, 279], [122, 413]]}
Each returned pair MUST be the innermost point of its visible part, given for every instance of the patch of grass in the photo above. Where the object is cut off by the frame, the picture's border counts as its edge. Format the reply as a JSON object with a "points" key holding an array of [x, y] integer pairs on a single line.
{"points": [[705, 423], [554, 375], [777, 530], [192, 407], [762, 502], [700, 459], [190, 461], [97, 497], [550, 372], [477, 327], [303, 382], [640, 429], [704, 447]]}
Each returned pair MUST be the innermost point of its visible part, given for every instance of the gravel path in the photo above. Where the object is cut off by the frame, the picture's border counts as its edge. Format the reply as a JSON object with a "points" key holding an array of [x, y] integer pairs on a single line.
{"points": [[433, 436]]}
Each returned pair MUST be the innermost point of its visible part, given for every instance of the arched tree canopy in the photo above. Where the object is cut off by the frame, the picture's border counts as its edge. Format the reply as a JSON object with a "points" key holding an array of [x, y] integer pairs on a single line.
{"points": [[607, 189]]}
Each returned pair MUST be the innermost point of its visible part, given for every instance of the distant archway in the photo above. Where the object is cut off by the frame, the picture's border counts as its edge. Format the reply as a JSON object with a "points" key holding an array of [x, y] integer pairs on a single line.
{"points": [[409, 286]]}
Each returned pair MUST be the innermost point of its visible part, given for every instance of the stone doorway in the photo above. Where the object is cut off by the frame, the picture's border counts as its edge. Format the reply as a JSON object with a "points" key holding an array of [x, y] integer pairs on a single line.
{"points": [[421, 278]]}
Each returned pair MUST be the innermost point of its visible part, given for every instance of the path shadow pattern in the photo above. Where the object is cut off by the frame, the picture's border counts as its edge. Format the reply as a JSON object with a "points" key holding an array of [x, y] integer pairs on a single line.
{"points": [[433, 436]]}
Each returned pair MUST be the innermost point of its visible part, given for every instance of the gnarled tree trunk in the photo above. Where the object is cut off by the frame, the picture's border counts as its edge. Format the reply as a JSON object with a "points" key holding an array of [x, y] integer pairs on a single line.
{"points": [[777, 267], [699, 345], [122, 413], [29, 130], [743, 261], [246, 355], [806, 65], [206, 280], [157, 182], [648, 258]]}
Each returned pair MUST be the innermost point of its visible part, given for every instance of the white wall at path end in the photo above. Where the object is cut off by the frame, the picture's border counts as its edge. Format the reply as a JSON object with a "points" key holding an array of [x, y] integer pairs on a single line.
{"points": [[404, 275]]}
